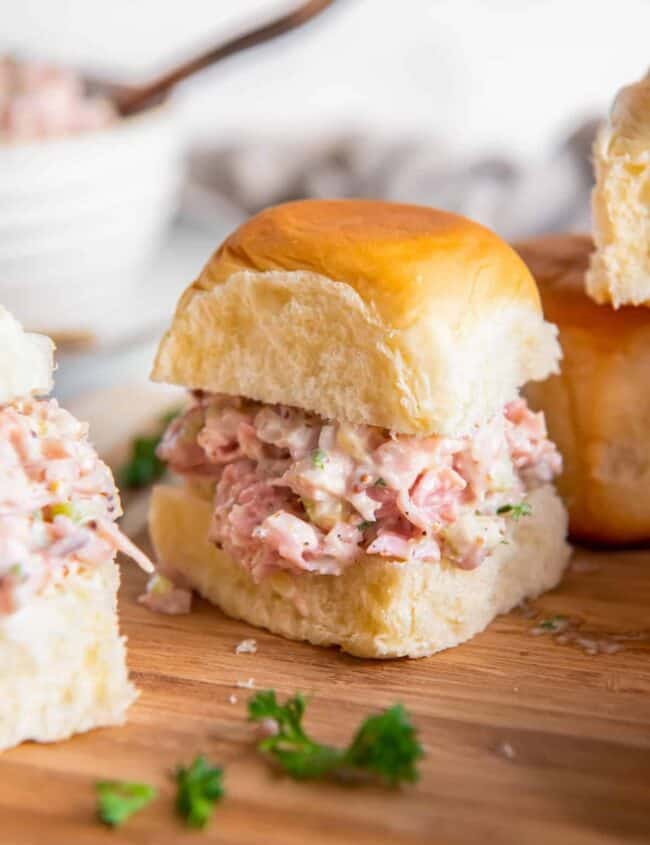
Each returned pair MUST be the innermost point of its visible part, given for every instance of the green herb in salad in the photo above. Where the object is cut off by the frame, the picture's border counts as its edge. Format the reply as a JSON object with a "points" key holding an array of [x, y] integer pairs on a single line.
{"points": [[319, 458], [118, 800], [515, 511], [199, 788], [384, 748], [365, 524]]}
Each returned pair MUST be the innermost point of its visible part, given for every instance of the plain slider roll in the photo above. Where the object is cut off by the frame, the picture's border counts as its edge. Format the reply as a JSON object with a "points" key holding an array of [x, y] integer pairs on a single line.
{"points": [[598, 407], [359, 468]]}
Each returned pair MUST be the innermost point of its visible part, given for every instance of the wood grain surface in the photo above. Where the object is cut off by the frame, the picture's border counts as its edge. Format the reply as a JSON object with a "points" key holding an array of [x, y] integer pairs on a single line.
{"points": [[527, 741]]}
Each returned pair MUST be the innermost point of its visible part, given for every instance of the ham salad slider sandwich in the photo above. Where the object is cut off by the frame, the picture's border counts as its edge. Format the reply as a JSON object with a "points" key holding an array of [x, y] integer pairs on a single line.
{"points": [[62, 660], [359, 468]]}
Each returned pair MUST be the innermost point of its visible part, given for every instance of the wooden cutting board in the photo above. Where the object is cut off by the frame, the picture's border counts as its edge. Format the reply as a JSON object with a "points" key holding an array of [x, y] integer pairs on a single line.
{"points": [[527, 740]]}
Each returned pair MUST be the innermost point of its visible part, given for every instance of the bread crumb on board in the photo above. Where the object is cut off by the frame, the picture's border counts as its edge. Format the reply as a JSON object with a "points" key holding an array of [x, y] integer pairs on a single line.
{"points": [[506, 750], [246, 647]]}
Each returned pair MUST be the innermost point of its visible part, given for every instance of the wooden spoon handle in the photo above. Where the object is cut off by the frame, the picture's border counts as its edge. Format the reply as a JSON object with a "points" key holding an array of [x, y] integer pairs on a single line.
{"points": [[130, 100]]}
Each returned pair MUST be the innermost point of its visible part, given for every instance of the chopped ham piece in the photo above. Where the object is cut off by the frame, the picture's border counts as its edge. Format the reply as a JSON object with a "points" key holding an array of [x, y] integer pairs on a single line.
{"points": [[389, 544], [180, 446], [434, 498], [528, 441], [291, 537]]}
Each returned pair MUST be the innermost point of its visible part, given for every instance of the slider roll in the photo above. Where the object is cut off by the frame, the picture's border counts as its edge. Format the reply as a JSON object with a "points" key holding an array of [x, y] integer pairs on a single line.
{"points": [[598, 407]]}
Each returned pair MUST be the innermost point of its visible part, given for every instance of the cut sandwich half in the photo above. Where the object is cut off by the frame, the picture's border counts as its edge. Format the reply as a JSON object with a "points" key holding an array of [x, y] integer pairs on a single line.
{"points": [[62, 659], [358, 467]]}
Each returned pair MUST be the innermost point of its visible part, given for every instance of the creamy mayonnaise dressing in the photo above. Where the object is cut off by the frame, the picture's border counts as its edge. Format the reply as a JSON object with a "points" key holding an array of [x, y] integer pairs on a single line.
{"points": [[296, 492], [58, 502]]}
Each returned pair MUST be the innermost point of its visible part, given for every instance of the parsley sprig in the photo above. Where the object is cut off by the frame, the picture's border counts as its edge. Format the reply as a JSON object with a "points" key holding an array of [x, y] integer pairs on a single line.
{"points": [[118, 800], [200, 787], [384, 748], [144, 466], [515, 511]]}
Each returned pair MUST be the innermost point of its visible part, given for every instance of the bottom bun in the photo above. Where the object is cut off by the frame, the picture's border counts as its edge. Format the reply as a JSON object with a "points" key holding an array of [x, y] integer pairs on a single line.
{"points": [[377, 608], [62, 661]]}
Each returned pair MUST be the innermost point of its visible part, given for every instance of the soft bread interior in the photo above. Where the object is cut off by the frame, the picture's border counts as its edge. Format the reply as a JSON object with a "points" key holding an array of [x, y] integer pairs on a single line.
{"points": [[26, 360], [302, 339], [377, 608], [620, 268], [62, 661]]}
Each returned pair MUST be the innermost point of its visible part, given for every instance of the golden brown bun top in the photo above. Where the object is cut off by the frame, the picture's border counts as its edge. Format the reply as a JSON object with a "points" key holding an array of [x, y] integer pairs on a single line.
{"points": [[398, 258], [371, 312], [559, 264]]}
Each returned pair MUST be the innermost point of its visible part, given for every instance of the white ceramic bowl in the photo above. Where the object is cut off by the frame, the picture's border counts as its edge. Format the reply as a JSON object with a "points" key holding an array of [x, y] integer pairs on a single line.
{"points": [[80, 217]]}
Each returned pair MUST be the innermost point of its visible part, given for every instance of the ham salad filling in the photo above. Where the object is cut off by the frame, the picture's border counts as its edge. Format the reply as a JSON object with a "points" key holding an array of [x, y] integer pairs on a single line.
{"points": [[58, 502], [295, 492]]}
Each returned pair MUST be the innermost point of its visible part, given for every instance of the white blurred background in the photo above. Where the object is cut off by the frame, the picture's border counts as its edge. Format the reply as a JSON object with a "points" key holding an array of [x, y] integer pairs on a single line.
{"points": [[486, 75], [486, 107]]}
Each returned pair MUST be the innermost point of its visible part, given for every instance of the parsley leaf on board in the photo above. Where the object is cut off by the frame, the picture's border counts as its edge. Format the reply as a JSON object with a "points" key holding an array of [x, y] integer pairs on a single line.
{"points": [[384, 748], [555, 624], [119, 800], [200, 787]]}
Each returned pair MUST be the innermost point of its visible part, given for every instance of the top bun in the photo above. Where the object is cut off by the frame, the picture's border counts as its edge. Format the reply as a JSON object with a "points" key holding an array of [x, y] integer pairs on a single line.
{"points": [[619, 271], [26, 360], [398, 316]]}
